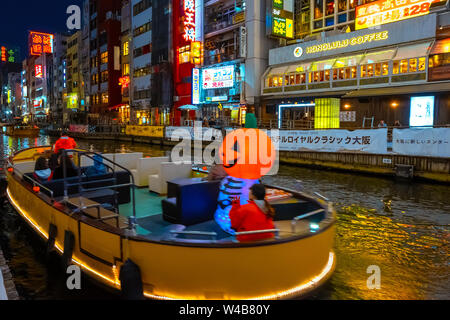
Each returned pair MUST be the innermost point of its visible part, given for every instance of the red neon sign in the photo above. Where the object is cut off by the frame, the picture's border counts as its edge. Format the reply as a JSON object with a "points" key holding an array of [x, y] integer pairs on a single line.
{"points": [[40, 43], [38, 71], [3, 54], [189, 20], [124, 82]]}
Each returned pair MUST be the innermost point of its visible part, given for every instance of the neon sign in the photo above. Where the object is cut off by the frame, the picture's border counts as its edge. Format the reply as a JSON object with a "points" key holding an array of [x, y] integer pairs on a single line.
{"points": [[195, 86], [189, 20], [38, 71], [124, 82], [377, 36], [4, 54], [386, 11], [40, 43]]}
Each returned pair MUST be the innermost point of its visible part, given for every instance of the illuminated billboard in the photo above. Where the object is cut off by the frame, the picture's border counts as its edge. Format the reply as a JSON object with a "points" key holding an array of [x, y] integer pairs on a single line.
{"points": [[72, 101], [195, 86], [221, 77], [422, 111], [38, 71], [281, 22], [387, 11], [40, 43], [189, 20]]}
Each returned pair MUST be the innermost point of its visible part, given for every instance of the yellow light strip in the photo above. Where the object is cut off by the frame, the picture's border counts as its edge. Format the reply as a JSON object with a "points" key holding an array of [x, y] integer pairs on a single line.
{"points": [[296, 290], [23, 213]]}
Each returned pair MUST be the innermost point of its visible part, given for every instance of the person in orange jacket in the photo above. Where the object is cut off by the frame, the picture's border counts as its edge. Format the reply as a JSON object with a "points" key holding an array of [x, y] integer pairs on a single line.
{"points": [[64, 142], [258, 214]]}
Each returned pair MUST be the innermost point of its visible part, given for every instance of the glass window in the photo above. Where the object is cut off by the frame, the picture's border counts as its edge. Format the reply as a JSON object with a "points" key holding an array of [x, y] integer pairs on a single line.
{"points": [[422, 62], [347, 73], [342, 18], [327, 75], [329, 21], [318, 24], [352, 4], [329, 10], [341, 74], [105, 98], [385, 68], [104, 57], [403, 66], [412, 65], [286, 80], [297, 78], [302, 78], [291, 79], [378, 69], [126, 69], [126, 48], [335, 74], [342, 5], [395, 67], [353, 71], [318, 9]]}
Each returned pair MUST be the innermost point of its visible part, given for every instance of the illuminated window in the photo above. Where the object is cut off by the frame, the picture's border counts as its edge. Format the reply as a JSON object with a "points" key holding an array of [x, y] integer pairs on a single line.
{"points": [[385, 68], [422, 62], [412, 65], [126, 48], [105, 98], [378, 69], [403, 66], [104, 57], [395, 67], [105, 76], [126, 69], [327, 75], [353, 71]]}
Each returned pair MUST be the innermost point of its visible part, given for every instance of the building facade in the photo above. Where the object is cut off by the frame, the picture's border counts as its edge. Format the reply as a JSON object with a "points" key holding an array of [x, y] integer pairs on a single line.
{"points": [[358, 78], [104, 46]]}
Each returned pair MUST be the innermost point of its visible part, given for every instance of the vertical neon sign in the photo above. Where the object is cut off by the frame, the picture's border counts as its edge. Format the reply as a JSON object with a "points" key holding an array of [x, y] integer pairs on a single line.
{"points": [[189, 20]]}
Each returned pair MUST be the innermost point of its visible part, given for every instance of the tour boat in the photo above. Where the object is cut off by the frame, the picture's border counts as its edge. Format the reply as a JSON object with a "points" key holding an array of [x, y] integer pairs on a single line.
{"points": [[22, 131], [166, 229]]}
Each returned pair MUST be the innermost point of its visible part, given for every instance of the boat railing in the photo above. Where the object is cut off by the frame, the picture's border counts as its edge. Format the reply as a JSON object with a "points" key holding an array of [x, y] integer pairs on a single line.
{"points": [[213, 235], [245, 233], [33, 181], [304, 216], [115, 186]]}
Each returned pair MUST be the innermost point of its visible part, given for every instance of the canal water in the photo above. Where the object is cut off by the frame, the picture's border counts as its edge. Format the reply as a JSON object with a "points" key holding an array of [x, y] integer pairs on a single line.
{"points": [[401, 227]]}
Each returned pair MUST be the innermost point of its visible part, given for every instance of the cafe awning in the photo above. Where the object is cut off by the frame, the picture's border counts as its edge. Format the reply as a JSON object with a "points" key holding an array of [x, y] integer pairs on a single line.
{"points": [[441, 46], [378, 56], [413, 51]]}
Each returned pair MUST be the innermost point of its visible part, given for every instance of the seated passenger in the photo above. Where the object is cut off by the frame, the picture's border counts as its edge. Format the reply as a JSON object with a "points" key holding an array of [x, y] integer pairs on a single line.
{"points": [[97, 169], [53, 162], [42, 172], [71, 169], [258, 214]]}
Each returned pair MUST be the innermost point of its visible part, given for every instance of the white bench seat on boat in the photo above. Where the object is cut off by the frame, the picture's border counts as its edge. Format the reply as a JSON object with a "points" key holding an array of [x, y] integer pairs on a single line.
{"points": [[146, 167], [168, 171]]}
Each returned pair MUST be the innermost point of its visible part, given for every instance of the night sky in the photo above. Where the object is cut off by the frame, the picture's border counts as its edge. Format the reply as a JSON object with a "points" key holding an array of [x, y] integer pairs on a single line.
{"points": [[19, 16]]}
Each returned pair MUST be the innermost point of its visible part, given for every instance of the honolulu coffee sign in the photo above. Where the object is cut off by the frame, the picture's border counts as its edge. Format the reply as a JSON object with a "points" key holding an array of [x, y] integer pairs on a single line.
{"points": [[387, 35]]}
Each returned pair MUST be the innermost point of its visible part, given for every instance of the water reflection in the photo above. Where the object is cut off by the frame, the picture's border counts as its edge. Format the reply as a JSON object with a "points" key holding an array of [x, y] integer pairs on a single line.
{"points": [[401, 227]]}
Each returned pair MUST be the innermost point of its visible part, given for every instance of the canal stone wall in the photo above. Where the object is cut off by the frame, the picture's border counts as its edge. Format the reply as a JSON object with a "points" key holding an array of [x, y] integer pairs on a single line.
{"points": [[7, 288], [430, 168]]}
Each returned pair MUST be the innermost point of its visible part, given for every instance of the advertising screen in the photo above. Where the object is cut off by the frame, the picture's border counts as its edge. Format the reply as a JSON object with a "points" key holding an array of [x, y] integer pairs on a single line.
{"points": [[422, 111]]}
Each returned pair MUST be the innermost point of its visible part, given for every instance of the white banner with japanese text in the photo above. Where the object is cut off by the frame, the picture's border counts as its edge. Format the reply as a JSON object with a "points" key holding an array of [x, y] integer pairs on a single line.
{"points": [[431, 142], [333, 140]]}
